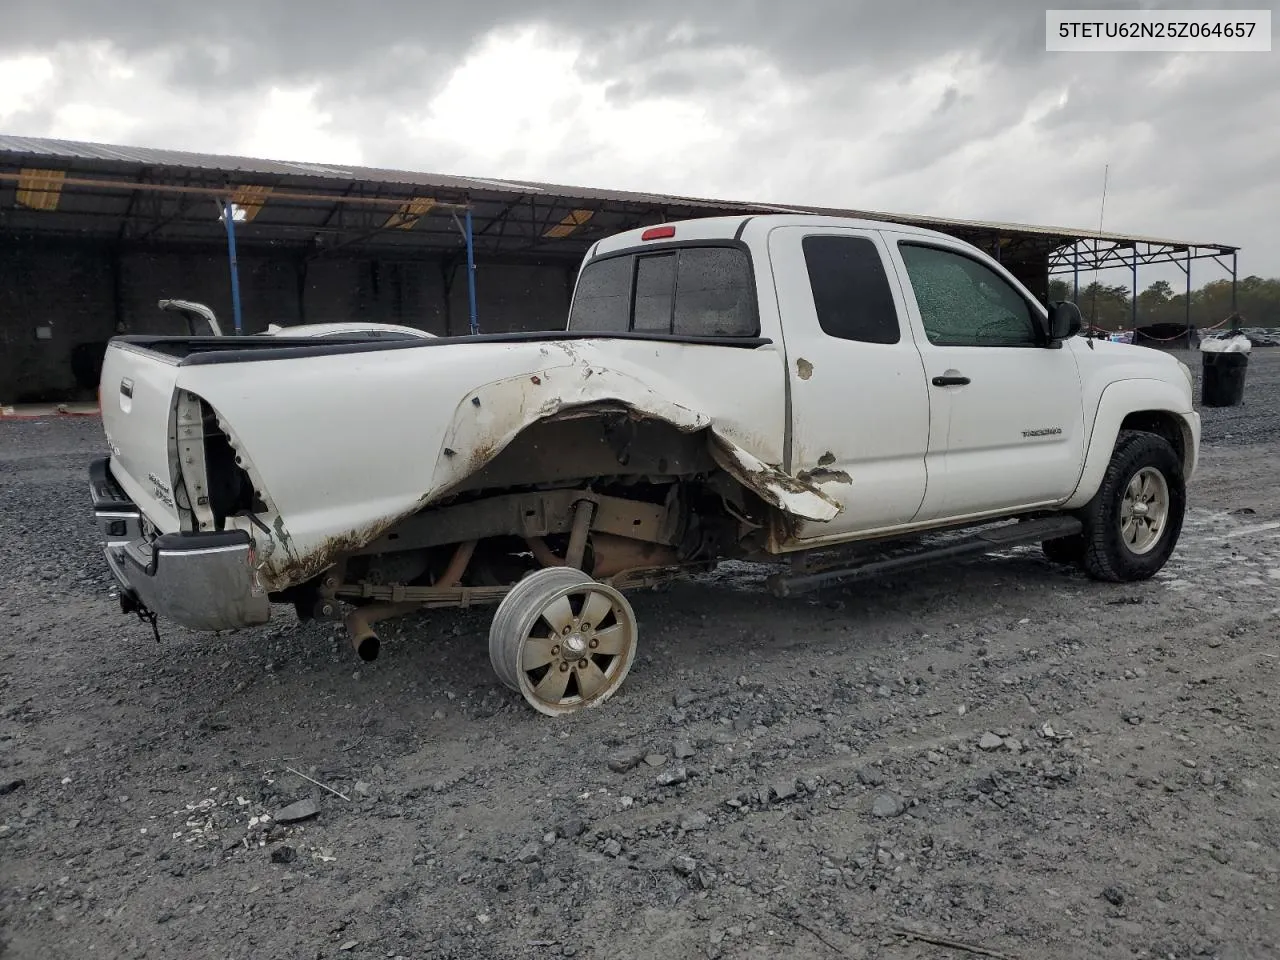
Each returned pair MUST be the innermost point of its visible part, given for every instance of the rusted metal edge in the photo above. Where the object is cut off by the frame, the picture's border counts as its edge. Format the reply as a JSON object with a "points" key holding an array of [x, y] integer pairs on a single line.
{"points": [[776, 487]]}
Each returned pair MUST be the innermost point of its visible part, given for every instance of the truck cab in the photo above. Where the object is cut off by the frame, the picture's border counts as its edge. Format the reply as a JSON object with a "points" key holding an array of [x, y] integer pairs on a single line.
{"points": [[923, 384]]}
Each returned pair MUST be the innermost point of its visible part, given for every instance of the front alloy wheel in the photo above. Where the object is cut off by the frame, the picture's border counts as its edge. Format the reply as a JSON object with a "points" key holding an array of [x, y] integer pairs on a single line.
{"points": [[1144, 510]]}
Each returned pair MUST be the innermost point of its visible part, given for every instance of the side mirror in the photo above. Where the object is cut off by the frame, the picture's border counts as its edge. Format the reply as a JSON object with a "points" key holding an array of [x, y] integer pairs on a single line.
{"points": [[1064, 320]]}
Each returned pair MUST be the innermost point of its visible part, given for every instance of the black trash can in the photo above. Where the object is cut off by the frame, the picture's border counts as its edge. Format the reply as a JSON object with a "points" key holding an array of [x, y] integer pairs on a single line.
{"points": [[1223, 382]]}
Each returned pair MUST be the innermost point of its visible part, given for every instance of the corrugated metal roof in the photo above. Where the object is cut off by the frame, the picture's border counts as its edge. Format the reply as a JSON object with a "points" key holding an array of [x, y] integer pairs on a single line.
{"points": [[78, 155], [73, 150]]}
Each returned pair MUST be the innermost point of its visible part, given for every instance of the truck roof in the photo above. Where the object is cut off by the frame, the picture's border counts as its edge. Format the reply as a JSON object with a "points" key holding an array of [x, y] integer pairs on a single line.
{"points": [[729, 228]]}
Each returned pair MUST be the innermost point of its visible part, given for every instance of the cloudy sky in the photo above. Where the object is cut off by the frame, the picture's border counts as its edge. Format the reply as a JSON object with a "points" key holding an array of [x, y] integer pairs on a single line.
{"points": [[935, 107]]}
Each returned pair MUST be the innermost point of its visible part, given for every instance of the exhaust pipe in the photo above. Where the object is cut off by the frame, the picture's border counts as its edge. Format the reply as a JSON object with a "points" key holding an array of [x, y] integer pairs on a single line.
{"points": [[359, 623], [367, 644]]}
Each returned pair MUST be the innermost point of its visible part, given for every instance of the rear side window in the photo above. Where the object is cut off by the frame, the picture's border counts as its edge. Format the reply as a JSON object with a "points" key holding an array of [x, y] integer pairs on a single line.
{"points": [[851, 291], [689, 292]]}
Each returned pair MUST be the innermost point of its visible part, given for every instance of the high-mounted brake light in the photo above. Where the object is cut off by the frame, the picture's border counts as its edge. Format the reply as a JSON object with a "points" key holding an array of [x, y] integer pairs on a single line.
{"points": [[658, 233]]}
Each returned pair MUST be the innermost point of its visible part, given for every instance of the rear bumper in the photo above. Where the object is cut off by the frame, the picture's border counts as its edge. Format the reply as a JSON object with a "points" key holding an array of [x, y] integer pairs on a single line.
{"points": [[204, 581]]}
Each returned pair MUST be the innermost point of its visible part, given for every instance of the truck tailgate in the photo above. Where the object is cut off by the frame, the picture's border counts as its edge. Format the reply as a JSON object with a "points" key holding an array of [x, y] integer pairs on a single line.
{"points": [[137, 414]]}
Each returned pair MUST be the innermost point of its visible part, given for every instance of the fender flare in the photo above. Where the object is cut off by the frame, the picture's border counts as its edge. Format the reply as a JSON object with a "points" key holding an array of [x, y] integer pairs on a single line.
{"points": [[1118, 401]]}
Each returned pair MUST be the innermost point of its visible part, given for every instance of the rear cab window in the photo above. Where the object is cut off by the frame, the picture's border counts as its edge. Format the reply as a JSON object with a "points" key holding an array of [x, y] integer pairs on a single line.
{"points": [[686, 291]]}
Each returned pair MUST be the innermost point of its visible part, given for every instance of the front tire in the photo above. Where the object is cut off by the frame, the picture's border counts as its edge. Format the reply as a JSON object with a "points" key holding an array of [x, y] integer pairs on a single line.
{"points": [[1131, 526]]}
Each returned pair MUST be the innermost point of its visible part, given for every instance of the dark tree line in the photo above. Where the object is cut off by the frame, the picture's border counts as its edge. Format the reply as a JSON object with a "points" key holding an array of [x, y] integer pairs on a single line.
{"points": [[1108, 306]]}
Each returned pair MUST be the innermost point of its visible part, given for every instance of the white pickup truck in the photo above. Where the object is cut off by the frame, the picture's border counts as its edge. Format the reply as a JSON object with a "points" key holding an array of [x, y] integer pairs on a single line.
{"points": [[847, 396]]}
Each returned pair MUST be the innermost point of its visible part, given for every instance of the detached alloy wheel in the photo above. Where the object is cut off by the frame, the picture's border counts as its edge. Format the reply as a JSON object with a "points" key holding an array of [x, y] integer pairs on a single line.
{"points": [[1133, 522], [563, 640]]}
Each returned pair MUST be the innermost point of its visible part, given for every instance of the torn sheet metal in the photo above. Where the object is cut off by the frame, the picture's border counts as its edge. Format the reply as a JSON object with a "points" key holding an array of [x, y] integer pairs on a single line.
{"points": [[773, 485]]}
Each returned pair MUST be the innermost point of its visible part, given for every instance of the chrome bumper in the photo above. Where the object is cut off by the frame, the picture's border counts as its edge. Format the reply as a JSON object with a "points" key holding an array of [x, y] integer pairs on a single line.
{"points": [[204, 581]]}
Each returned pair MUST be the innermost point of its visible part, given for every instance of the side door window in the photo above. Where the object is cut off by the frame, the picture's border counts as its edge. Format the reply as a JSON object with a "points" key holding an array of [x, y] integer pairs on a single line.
{"points": [[851, 292], [964, 303]]}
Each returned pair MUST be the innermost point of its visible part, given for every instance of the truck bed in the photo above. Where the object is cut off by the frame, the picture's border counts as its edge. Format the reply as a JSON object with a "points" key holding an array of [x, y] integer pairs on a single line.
{"points": [[341, 437], [192, 351]]}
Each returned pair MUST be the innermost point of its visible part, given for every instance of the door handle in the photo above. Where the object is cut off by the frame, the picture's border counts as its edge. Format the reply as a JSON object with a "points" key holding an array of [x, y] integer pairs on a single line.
{"points": [[950, 381]]}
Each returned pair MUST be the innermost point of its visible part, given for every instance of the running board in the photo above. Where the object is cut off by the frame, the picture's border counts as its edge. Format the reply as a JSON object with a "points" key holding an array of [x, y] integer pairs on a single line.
{"points": [[986, 541]]}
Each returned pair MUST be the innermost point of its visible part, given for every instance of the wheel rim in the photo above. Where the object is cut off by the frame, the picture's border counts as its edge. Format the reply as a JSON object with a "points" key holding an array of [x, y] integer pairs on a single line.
{"points": [[1144, 511], [567, 642]]}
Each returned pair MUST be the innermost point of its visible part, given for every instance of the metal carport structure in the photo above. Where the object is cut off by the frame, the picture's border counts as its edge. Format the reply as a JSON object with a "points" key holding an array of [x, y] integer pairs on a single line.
{"points": [[123, 198]]}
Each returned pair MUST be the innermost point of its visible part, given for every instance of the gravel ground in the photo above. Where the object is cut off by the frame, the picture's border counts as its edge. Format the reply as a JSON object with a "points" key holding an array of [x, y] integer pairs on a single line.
{"points": [[1001, 754]]}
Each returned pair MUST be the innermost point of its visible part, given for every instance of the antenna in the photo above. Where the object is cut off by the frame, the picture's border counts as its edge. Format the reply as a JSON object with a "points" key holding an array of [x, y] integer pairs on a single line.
{"points": [[1093, 306], [1106, 171]]}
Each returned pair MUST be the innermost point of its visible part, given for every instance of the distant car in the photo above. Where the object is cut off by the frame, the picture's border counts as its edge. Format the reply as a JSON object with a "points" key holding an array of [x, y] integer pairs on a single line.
{"points": [[1255, 336], [375, 331], [1166, 335], [1262, 337], [201, 321]]}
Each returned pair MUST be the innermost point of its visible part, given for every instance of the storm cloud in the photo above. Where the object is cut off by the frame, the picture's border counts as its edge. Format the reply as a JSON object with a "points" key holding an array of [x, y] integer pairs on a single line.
{"points": [[922, 107]]}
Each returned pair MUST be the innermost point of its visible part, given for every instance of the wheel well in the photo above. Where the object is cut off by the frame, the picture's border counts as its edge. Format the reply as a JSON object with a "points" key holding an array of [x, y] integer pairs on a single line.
{"points": [[1163, 424], [593, 445], [653, 484]]}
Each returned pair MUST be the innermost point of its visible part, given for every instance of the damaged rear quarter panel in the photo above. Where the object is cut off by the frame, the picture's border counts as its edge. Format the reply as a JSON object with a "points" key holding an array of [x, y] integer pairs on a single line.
{"points": [[494, 414], [347, 445]]}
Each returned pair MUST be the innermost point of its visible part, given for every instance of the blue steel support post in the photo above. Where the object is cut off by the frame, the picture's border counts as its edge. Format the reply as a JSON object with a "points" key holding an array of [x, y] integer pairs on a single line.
{"points": [[228, 215], [1075, 272], [471, 274]]}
